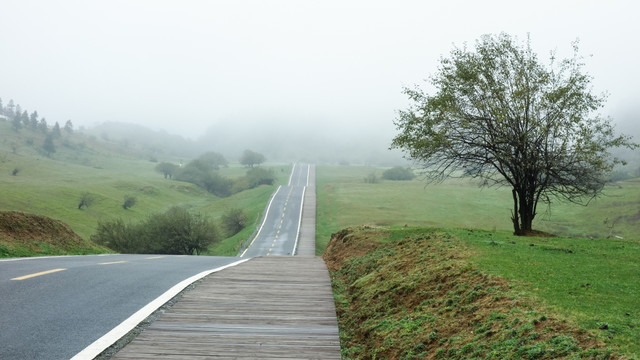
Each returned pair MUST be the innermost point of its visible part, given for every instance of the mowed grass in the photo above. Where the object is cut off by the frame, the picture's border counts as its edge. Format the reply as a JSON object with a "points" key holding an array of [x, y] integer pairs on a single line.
{"points": [[592, 280]]}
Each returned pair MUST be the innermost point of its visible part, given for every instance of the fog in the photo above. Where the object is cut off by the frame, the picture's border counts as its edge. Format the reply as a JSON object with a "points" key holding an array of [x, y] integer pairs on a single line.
{"points": [[307, 76]]}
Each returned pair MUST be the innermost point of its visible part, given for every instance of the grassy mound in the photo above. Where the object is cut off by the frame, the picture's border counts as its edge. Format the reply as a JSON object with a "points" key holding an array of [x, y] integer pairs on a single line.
{"points": [[413, 293], [28, 235]]}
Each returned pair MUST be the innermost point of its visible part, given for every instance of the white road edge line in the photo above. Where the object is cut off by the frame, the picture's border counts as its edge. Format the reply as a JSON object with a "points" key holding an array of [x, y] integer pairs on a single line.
{"points": [[121, 330], [308, 172], [264, 220], [295, 245], [293, 169]]}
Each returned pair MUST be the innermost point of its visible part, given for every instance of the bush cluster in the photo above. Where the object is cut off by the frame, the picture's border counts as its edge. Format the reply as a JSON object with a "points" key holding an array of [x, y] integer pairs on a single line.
{"points": [[398, 173], [233, 221], [174, 232], [203, 172]]}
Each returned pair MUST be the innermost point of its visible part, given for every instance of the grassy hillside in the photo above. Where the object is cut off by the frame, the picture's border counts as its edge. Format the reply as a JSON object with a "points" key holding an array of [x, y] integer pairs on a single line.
{"points": [[590, 282], [53, 185], [413, 293], [27, 235], [344, 199]]}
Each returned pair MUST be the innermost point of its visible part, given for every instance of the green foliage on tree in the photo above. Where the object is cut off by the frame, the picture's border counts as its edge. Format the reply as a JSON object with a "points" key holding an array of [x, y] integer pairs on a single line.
{"points": [[214, 160], [16, 122], [398, 173], [48, 146], [68, 127], [251, 158], [200, 173], [42, 126], [167, 169], [500, 115], [33, 120], [56, 130], [175, 231], [129, 201], [233, 221], [371, 178], [86, 199], [258, 176]]}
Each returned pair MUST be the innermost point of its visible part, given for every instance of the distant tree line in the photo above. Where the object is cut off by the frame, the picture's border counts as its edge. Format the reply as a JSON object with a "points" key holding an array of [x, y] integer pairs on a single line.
{"points": [[202, 171], [20, 120]]}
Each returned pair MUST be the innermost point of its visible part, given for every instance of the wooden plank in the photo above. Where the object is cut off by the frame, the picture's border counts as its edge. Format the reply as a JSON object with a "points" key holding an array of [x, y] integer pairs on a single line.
{"points": [[266, 308]]}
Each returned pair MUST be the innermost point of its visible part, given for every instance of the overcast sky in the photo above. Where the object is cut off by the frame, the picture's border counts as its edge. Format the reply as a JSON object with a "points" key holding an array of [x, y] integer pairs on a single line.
{"points": [[186, 65]]}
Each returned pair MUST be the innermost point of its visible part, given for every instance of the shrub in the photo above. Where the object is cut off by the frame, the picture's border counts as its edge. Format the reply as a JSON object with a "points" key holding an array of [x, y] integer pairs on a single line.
{"points": [[398, 173], [233, 221], [86, 199], [199, 173], [129, 201], [174, 232], [259, 176], [372, 178]]}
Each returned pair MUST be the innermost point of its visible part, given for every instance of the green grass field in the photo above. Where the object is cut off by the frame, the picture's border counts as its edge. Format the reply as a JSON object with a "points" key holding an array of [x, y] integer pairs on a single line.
{"points": [[52, 186], [344, 199], [591, 280]]}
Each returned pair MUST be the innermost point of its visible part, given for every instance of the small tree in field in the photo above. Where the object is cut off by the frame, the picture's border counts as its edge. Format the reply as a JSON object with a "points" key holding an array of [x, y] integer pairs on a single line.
{"points": [[500, 115], [86, 199], [48, 146], [251, 158], [167, 169], [129, 201]]}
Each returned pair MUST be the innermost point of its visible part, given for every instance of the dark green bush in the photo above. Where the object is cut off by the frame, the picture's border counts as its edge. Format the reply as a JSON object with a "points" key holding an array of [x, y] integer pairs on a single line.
{"points": [[398, 173], [233, 221], [129, 201], [174, 232]]}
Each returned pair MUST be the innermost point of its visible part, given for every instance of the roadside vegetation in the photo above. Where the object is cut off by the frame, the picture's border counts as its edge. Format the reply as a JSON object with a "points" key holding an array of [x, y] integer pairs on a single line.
{"points": [[30, 235], [585, 288], [415, 293], [89, 180]]}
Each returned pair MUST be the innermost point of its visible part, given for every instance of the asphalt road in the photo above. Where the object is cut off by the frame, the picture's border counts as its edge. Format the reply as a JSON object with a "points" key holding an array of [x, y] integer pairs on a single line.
{"points": [[57, 313], [278, 233]]}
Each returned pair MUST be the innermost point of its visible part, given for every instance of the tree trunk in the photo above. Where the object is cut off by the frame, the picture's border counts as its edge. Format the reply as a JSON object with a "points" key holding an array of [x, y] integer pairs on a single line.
{"points": [[514, 214], [523, 212]]}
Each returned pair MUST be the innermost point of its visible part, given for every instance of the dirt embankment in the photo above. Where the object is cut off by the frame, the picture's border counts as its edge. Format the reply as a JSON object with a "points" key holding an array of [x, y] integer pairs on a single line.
{"points": [[412, 294], [28, 234]]}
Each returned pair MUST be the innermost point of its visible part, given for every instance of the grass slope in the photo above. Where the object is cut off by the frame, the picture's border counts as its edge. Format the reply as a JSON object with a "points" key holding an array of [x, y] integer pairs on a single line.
{"points": [[413, 293], [53, 185], [27, 235], [591, 281], [344, 199]]}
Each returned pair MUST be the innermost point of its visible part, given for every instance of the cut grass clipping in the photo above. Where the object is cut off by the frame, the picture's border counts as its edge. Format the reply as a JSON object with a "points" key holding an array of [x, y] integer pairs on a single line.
{"points": [[413, 294]]}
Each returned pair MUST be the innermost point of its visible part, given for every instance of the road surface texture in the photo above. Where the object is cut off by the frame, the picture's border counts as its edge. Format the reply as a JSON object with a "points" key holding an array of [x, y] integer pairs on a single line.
{"points": [[275, 307], [280, 229], [263, 305], [52, 308], [270, 307]]}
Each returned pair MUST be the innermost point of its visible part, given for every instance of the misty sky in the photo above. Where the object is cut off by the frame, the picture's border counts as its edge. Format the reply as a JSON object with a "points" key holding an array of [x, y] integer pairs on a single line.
{"points": [[185, 65]]}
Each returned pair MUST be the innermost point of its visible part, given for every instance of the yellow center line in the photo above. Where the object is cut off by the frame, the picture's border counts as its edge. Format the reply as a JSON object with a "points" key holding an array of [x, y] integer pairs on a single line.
{"points": [[154, 257], [37, 274], [113, 262]]}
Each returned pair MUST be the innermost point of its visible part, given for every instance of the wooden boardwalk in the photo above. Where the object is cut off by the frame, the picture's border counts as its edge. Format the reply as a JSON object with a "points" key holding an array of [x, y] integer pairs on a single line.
{"points": [[266, 308]]}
